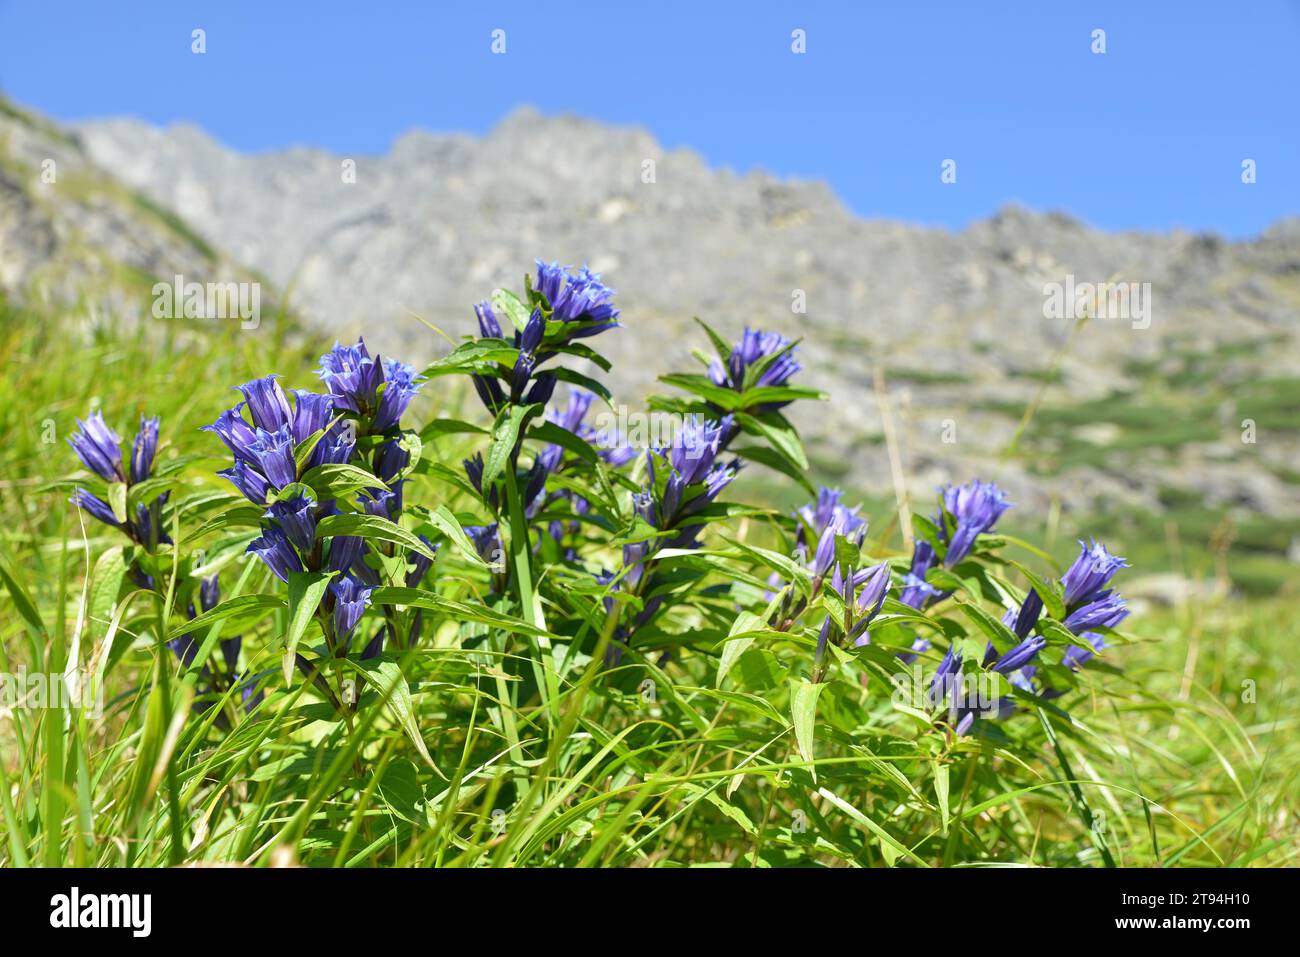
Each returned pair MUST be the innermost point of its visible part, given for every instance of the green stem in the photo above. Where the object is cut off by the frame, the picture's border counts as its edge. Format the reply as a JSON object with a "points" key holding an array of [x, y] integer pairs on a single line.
{"points": [[521, 560]]}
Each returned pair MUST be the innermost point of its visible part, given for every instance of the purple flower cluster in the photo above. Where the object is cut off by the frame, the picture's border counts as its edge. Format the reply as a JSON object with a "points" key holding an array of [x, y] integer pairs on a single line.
{"points": [[100, 449], [279, 442], [1089, 603], [680, 482], [759, 359], [580, 298], [966, 512]]}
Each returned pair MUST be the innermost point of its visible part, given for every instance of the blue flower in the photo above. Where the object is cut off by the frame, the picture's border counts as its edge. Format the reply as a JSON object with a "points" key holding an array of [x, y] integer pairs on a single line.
{"points": [[828, 518], [267, 403], [577, 298], [351, 376], [272, 454], [250, 483], [94, 506], [756, 346], [874, 582], [420, 564], [274, 549], [487, 541], [311, 413], [916, 593], [354, 379], [694, 477], [1105, 610], [399, 389], [236, 433], [351, 598], [99, 448], [1090, 573], [345, 552], [144, 449], [297, 517], [1021, 655], [976, 507], [488, 326]]}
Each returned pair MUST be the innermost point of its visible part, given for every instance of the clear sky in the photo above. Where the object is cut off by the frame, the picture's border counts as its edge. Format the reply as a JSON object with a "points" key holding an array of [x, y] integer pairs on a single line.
{"points": [[1151, 134]]}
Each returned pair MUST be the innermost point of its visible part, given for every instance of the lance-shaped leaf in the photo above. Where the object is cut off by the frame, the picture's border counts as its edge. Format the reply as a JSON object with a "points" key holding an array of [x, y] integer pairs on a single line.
{"points": [[374, 528], [306, 589], [393, 689]]}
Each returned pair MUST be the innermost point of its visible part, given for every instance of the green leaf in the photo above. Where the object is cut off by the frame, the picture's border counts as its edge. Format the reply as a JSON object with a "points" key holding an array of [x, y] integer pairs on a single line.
{"points": [[941, 795], [743, 633], [720, 345], [505, 433], [105, 583], [117, 500], [803, 711], [249, 607], [335, 481], [1003, 638], [439, 427], [393, 689], [1049, 592], [459, 611], [777, 462], [557, 435], [442, 519], [24, 604], [475, 355], [306, 589], [726, 399], [142, 493], [372, 527], [584, 382], [503, 300], [778, 432]]}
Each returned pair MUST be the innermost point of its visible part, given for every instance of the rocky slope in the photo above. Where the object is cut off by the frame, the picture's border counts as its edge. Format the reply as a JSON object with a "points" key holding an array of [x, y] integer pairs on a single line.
{"points": [[952, 322]]}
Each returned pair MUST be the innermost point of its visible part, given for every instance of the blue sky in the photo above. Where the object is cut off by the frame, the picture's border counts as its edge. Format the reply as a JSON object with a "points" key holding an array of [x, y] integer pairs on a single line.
{"points": [[1149, 135]]}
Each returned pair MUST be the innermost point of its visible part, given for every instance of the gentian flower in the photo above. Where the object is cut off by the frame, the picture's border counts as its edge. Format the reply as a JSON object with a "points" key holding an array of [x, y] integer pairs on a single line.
{"points": [[488, 326], [827, 517], [1091, 572], [267, 403], [272, 455], [144, 449], [354, 379], [916, 593], [1105, 610], [250, 483], [311, 413], [874, 584], [236, 433], [346, 552], [351, 597], [755, 346], [297, 518], [976, 507], [99, 448], [274, 549], [94, 506], [577, 298]]}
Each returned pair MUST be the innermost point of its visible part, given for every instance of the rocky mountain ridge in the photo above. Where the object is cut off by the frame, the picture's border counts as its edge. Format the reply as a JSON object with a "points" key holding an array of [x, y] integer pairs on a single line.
{"points": [[952, 324]]}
